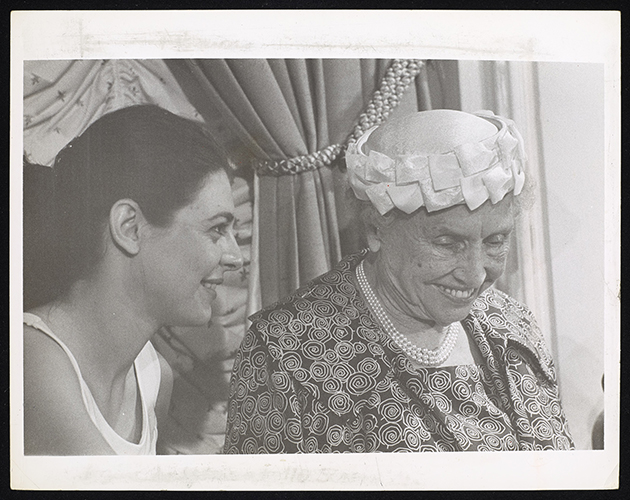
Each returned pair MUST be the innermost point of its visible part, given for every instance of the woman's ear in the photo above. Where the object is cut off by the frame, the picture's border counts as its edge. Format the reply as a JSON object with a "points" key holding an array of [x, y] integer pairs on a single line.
{"points": [[373, 238], [125, 221]]}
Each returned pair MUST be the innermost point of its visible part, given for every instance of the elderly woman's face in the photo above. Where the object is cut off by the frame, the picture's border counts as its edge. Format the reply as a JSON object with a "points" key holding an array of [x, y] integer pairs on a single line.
{"points": [[434, 265]]}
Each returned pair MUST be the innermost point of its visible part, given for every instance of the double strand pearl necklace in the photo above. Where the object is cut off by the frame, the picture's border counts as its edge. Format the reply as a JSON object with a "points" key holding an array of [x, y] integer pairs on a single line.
{"points": [[423, 356]]}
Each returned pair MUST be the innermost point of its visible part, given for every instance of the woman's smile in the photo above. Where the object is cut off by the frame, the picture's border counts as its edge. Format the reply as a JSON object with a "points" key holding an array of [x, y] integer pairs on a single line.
{"points": [[210, 285], [461, 296]]}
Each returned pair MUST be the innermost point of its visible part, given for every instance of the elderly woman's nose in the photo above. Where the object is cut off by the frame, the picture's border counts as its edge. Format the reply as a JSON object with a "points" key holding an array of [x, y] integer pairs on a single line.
{"points": [[473, 268], [231, 258]]}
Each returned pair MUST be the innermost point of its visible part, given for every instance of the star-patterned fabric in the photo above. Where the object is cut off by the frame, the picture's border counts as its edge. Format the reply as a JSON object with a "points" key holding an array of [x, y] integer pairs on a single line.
{"points": [[62, 98], [317, 374]]}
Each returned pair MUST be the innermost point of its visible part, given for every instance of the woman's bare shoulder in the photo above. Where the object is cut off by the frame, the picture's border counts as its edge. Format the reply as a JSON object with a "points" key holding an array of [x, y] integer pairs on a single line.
{"points": [[43, 357], [56, 421]]}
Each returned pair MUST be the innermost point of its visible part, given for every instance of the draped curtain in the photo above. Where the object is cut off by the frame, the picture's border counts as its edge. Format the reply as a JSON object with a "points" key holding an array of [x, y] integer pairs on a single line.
{"points": [[269, 111]]}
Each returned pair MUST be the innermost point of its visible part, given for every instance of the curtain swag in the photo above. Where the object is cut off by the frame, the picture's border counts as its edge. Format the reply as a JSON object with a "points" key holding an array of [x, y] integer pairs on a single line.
{"points": [[397, 79]]}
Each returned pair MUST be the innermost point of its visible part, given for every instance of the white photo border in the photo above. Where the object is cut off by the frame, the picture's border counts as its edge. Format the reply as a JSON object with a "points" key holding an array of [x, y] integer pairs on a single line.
{"points": [[585, 36]]}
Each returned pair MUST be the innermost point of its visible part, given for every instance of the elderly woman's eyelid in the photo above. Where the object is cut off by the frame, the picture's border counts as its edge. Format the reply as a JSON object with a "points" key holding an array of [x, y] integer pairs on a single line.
{"points": [[446, 240]]}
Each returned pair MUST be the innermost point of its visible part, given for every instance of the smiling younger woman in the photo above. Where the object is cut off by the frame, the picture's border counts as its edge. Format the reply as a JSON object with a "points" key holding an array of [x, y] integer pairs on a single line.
{"points": [[407, 346], [141, 220]]}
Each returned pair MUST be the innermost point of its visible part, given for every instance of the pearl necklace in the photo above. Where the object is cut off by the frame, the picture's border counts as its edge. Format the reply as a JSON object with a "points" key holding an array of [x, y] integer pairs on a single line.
{"points": [[424, 356]]}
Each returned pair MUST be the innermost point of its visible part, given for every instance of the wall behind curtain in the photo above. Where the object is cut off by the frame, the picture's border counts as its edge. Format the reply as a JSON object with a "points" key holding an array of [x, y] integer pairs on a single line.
{"points": [[557, 268], [572, 135]]}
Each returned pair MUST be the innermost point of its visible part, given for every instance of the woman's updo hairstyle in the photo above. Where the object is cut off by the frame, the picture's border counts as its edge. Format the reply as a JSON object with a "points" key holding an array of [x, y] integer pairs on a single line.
{"points": [[143, 153]]}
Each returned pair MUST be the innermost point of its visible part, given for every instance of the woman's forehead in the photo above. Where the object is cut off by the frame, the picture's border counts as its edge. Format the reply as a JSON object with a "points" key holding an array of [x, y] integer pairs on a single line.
{"points": [[214, 196]]}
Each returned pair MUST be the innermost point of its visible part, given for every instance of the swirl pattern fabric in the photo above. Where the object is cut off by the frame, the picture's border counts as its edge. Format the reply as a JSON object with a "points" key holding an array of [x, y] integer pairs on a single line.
{"points": [[317, 374]]}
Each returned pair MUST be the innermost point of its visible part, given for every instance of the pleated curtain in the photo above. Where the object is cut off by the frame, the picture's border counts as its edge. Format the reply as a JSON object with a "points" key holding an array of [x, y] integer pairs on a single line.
{"points": [[272, 110]]}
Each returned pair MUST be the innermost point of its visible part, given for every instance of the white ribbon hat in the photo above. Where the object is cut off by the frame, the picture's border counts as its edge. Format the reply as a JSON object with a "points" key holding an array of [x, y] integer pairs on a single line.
{"points": [[471, 173]]}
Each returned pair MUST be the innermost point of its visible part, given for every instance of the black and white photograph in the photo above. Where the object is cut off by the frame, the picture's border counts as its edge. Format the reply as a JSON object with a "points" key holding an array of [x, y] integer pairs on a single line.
{"points": [[305, 257]]}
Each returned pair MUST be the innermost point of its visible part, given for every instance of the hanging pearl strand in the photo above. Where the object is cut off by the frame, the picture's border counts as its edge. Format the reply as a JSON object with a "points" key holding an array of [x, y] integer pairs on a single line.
{"points": [[423, 356]]}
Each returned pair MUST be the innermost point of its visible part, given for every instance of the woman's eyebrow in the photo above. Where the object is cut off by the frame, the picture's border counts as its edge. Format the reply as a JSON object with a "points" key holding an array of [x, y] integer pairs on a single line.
{"points": [[508, 228], [445, 230], [462, 232], [229, 216]]}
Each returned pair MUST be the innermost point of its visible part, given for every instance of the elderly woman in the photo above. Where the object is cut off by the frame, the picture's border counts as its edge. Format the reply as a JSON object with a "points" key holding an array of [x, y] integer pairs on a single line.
{"points": [[406, 346]]}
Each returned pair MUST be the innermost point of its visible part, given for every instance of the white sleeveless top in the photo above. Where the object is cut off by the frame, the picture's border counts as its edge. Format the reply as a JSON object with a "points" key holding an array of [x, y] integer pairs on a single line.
{"points": [[147, 367]]}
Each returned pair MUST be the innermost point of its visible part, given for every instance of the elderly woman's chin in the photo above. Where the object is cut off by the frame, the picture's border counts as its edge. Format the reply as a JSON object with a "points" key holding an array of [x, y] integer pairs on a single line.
{"points": [[445, 314]]}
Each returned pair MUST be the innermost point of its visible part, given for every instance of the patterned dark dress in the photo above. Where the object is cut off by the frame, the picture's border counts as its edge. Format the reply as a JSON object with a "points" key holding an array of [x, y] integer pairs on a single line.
{"points": [[316, 373]]}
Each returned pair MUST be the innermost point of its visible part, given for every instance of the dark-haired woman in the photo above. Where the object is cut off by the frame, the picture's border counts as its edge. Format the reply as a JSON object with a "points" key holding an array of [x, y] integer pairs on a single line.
{"points": [[141, 220]]}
